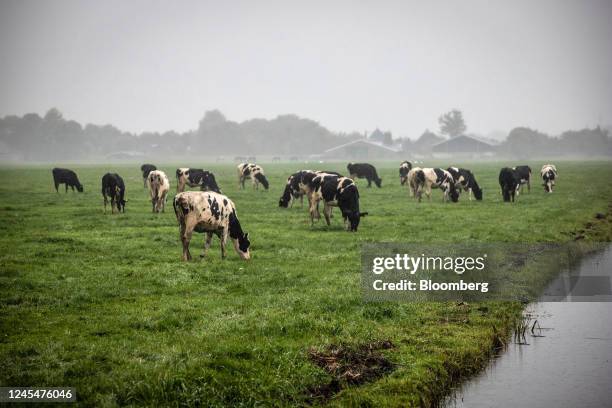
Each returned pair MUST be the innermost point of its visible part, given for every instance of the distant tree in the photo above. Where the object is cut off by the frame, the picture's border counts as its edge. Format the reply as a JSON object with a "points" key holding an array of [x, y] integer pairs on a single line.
{"points": [[452, 123], [377, 135], [53, 115], [524, 142]]}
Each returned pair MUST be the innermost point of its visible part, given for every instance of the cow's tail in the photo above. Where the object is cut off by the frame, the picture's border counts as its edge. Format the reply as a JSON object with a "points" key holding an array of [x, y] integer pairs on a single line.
{"points": [[262, 179], [420, 177], [181, 207]]}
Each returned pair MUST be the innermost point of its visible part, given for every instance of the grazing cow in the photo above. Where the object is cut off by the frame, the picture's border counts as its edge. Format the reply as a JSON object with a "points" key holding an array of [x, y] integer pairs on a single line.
{"points": [[158, 188], [416, 182], [524, 173], [509, 181], [66, 177], [364, 170], [299, 185], [466, 180], [549, 174], [442, 179], [146, 169], [339, 192], [404, 168], [113, 187], [253, 171], [195, 177], [212, 213], [292, 190]]}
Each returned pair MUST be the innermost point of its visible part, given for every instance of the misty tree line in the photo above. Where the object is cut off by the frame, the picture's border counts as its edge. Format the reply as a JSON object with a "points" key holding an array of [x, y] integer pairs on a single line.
{"points": [[53, 137], [33, 137]]}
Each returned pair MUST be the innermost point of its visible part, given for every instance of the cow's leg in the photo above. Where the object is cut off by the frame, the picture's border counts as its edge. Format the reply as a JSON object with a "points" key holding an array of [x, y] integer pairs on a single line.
{"points": [[186, 231], [105, 202], [224, 235], [207, 243], [470, 194], [313, 210], [66, 187], [529, 185], [369, 182], [327, 213]]}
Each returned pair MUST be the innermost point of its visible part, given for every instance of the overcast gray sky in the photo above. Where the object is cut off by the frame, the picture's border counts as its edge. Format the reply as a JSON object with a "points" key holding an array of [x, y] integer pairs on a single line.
{"points": [[355, 65]]}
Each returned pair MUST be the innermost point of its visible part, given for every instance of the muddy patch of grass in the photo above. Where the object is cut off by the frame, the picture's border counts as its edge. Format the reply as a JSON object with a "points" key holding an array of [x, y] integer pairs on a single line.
{"points": [[349, 365]]}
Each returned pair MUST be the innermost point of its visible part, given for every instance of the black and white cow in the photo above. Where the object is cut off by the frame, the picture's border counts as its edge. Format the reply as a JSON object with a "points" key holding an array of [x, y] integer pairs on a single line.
{"points": [[404, 168], [205, 179], [159, 186], [509, 181], [254, 172], [364, 170], [524, 173], [67, 177], [212, 213], [465, 179], [339, 192], [549, 175], [292, 189], [146, 169], [442, 179], [113, 187], [416, 182], [309, 181]]}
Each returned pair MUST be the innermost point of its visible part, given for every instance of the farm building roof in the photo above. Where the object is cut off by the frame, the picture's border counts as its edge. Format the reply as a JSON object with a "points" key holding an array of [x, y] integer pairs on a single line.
{"points": [[463, 143], [363, 141]]}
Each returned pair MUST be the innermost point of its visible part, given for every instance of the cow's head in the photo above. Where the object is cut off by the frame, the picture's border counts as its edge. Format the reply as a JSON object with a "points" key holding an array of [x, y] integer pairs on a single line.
{"points": [[354, 217], [79, 187], [477, 193], [263, 180], [285, 198], [242, 245]]}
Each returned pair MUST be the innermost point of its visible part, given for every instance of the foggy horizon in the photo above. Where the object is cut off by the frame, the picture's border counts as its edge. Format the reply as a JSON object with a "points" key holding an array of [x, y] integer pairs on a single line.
{"points": [[155, 66]]}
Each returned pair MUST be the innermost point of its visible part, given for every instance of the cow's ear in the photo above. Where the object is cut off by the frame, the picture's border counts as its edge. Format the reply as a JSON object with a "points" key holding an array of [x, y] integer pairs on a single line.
{"points": [[246, 235], [363, 214]]}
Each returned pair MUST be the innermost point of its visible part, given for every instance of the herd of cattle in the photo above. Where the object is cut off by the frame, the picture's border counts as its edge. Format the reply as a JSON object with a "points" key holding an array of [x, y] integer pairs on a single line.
{"points": [[209, 211]]}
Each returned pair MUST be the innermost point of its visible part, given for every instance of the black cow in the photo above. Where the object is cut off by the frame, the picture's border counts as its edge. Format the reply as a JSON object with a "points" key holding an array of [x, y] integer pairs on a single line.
{"points": [[146, 169], [404, 168], [524, 173], [466, 180], [113, 187], [67, 177], [338, 192], [364, 170], [509, 181]]}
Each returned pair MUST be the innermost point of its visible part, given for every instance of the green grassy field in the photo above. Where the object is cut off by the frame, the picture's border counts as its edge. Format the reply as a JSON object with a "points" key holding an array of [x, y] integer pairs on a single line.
{"points": [[103, 303]]}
